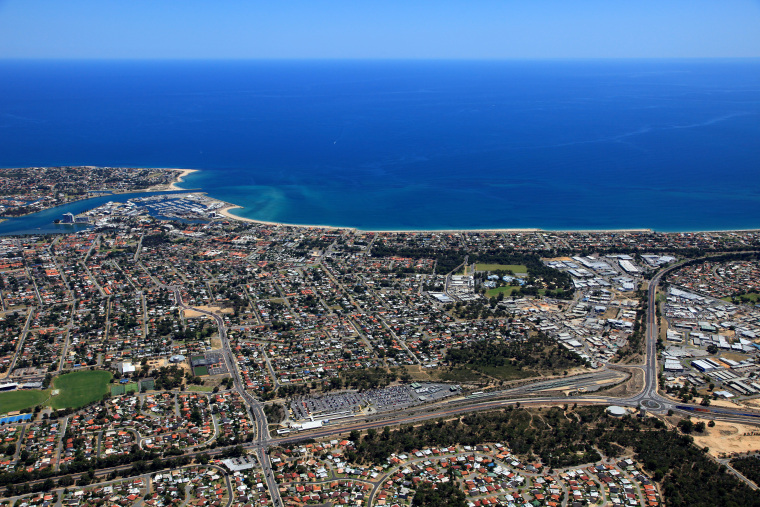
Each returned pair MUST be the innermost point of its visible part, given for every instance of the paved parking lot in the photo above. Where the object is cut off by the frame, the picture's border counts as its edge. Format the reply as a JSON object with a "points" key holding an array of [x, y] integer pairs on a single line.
{"points": [[387, 398]]}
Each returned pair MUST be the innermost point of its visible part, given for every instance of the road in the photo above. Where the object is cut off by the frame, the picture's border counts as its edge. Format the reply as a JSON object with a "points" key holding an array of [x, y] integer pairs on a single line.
{"points": [[20, 346], [262, 437], [648, 398], [527, 395]]}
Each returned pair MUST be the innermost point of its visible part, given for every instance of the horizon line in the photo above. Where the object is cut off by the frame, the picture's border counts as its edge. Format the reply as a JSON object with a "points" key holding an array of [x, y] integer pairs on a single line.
{"points": [[377, 58]]}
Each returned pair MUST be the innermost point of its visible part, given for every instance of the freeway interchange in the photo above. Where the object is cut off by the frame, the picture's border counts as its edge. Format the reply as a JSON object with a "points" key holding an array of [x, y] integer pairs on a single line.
{"points": [[530, 394], [538, 393]]}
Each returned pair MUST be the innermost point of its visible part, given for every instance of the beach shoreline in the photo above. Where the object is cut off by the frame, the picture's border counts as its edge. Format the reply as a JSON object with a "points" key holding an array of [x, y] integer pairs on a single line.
{"points": [[226, 211], [180, 177]]}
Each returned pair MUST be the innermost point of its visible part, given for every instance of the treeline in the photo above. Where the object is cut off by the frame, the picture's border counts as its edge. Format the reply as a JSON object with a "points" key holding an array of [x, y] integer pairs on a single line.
{"points": [[368, 378], [554, 435], [445, 494], [10, 478], [16, 483], [448, 260], [537, 353], [749, 467], [637, 339], [150, 240], [564, 438]]}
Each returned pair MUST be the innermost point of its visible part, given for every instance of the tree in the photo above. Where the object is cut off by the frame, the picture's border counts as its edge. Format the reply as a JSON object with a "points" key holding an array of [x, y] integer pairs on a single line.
{"points": [[686, 425], [443, 495]]}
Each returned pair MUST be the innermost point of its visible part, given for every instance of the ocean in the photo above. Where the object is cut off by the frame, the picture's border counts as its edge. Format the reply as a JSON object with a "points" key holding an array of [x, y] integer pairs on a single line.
{"points": [[672, 145]]}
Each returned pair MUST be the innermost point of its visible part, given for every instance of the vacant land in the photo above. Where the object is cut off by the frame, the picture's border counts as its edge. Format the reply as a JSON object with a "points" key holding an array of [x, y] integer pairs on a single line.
{"points": [[727, 438], [189, 314], [80, 388], [19, 400], [505, 372], [512, 360], [200, 389], [633, 385], [515, 268]]}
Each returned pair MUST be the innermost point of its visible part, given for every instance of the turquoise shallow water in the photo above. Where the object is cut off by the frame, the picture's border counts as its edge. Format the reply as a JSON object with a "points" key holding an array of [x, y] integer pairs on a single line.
{"points": [[669, 145]]}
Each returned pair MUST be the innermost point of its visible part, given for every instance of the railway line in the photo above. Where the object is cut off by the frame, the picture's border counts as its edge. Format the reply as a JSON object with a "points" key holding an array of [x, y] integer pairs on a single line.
{"points": [[528, 395]]}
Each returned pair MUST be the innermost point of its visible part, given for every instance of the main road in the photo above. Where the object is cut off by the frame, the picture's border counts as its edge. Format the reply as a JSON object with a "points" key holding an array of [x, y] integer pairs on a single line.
{"points": [[262, 438], [647, 398]]}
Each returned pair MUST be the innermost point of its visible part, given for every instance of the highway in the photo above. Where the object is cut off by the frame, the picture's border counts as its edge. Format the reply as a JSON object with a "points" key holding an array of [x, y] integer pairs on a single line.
{"points": [[529, 394], [536, 393]]}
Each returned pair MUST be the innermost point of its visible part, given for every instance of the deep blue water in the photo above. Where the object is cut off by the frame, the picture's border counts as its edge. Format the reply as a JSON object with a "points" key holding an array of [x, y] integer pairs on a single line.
{"points": [[663, 144]]}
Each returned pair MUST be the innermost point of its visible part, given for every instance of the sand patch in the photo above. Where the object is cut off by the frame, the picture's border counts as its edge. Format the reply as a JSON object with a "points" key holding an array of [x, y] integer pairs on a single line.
{"points": [[754, 403], [728, 438], [154, 364], [189, 314], [723, 403]]}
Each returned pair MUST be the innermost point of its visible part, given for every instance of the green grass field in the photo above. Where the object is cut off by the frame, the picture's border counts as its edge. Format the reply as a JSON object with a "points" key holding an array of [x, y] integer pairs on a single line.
{"points": [[749, 298], [507, 291], [80, 388], [200, 389], [200, 370], [516, 268], [19, 400]]}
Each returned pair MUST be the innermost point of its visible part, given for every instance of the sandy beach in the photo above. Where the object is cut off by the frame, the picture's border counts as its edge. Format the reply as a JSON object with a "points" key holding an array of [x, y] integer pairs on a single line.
{"points": [[226, 212], [180, 177]]}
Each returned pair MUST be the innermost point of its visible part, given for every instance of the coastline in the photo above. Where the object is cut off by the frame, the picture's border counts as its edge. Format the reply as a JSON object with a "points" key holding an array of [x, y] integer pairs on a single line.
{"points": [[228, 207], [180, 178], [226, 211]]}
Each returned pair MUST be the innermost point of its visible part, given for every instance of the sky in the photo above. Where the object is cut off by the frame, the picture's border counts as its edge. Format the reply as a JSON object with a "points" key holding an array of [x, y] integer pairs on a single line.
{"points": [[465, 29]]}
